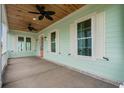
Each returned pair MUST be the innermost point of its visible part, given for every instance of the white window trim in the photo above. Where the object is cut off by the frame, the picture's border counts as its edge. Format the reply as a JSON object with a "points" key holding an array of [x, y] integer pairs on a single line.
{"points": [[92, 17], [100, 20], [57, 41], [94, 28]]}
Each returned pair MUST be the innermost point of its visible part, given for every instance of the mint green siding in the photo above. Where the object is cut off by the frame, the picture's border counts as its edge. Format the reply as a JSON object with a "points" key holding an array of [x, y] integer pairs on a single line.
{"points": [[13, 43], [114, 43]]}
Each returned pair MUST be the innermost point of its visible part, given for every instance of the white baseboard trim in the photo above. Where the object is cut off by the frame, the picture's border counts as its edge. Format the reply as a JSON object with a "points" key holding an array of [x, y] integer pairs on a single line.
{"points": [[21, 57], [87, 73]]}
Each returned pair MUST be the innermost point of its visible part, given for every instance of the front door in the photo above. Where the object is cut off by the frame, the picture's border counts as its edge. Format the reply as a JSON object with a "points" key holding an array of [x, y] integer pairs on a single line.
{"points": [[42, 47]]}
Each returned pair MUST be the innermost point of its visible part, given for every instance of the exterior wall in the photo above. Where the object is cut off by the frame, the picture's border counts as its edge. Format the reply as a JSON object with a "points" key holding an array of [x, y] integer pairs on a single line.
{"points": [[4, 56], [114, 43], [12, 44], [5, 52]]}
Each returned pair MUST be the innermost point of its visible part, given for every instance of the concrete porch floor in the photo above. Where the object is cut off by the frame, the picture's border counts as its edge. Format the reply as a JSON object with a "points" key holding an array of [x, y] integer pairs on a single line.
{"points": [[32, 72]]}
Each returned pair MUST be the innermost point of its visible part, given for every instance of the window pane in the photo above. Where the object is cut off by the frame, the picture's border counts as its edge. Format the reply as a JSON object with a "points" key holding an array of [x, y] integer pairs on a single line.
{"points": [[28, 44], [20, 44], [87, 23], [80, 47], [21, 39], [89, 43], [28, 39], [84, 38], [53, 42], [87, 32], [84, 47], [84, 29], [53, 47], [88, 47], [80, 32], [87, 28], [53, 36]]}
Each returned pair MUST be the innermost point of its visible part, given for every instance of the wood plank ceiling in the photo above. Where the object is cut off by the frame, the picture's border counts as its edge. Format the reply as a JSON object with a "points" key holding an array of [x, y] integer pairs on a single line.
{"points": [[19, 18]]}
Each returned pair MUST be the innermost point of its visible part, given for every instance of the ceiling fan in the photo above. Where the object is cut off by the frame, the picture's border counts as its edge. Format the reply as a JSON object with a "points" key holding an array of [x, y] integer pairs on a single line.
{"points": [[43, 13], [31, 29]]}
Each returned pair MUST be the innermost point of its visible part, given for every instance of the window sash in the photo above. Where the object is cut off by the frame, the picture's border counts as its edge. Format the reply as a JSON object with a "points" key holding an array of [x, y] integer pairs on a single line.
{"points": [[28, 39], [20, 43], [84, 38], [84, 47], [28, 44], [20, 39], [53, 41], [53, 47]]}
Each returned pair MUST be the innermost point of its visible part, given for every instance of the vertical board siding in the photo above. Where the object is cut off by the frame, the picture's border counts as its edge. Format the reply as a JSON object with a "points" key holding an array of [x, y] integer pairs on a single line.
{"points": [[114, 43]]}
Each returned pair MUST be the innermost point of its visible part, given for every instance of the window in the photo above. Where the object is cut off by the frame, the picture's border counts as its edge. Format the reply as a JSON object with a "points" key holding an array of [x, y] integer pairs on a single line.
{"points": [[20, 43], [87, 37], [24, 44], [53, 42], [28, 44], [84, 38]]}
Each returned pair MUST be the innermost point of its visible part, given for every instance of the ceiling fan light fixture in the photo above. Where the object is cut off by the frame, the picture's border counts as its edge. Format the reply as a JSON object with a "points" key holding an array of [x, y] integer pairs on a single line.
{"points": [[34, 18]]}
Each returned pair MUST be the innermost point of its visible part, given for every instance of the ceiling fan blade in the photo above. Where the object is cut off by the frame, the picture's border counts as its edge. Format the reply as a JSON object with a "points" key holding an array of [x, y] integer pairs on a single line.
{"points": [[29, 28], [49, 17], [34, 29], [41, 17], [40, 8], [34, 12], [50, 12]]}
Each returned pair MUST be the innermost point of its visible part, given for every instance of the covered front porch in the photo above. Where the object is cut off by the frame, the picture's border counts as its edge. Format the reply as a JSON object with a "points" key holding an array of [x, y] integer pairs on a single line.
{"points": [[73, 45], [29, 72]]}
